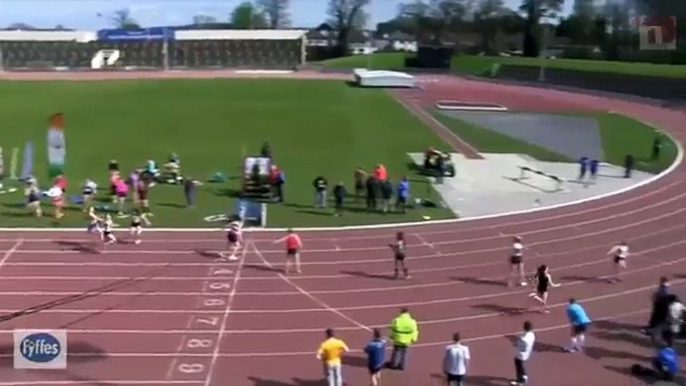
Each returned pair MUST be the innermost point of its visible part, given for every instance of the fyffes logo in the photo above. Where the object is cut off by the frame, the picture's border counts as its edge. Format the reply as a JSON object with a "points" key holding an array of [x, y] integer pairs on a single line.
{"points": [[40, 348]]}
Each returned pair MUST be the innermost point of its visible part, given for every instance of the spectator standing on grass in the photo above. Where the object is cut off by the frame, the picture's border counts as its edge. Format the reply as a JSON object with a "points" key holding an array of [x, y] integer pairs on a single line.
{"points": [[266, 150], [456, 361], [386, 194], [657, 146], [320, 186], [339, 194], [190, 190], [360, 178], [371, 193], [403, 193], [278, 185], [330, 353], [628, 165], [524, 346], [376, 352], [404, 333]]}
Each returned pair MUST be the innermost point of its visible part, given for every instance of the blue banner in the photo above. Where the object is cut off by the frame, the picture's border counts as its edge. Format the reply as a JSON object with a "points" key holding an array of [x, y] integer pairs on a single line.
{"points": [[250, 211], [27, 166], [157, 33]]}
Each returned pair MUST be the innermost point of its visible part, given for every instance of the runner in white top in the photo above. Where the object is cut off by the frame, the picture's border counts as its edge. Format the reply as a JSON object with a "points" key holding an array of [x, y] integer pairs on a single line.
{"points": [[107, 231], [620, 253], [234, 236], [95, 221], [517, 262]]}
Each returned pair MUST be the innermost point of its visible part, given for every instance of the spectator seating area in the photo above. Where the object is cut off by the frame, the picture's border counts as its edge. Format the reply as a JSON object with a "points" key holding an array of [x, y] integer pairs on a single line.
{"points": [[260, 50]]}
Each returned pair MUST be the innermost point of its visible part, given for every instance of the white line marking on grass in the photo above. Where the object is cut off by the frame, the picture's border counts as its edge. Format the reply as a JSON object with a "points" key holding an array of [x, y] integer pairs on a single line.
{"points": [[227, 312], [310, 296]]}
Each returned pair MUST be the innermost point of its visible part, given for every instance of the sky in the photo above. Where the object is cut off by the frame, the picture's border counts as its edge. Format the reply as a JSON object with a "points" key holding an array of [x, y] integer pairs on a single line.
{"points": [[84, 14]]}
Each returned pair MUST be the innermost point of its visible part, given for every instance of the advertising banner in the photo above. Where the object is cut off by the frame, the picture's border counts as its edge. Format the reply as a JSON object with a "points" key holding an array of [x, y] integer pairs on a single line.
{"points": [[157, 33]]}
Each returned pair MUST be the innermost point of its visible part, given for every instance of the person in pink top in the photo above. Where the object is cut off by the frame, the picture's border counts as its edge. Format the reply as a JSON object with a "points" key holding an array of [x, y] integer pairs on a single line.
{"points": [[380, 173], [293, 246], [122, 190]]}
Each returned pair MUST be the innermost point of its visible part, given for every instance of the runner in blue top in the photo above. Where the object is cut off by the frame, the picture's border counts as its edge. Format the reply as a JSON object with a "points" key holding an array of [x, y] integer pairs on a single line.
{"points": [[579, 321], [375, 351]]}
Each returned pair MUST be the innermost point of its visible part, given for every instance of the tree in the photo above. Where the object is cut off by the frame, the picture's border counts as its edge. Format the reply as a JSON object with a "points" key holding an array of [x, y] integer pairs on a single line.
{"points": [[204, 20], [535, 10], [122, 19], [346, 16], [436, 17], [247, 16], [276, 12], [487, 20]]}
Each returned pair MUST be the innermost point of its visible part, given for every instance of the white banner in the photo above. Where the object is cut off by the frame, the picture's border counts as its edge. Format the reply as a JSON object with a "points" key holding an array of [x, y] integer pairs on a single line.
{"points": [[40, 349]]}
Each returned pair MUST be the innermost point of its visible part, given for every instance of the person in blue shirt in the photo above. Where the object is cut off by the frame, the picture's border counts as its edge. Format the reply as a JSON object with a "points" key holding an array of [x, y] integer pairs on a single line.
{"points": [[376, 351], [666, 363], [579, 321], [403, 192], [593, 168]]}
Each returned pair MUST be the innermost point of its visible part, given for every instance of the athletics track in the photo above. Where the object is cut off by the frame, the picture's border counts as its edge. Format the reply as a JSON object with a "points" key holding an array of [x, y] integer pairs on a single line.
{"points": [[166, 313]]}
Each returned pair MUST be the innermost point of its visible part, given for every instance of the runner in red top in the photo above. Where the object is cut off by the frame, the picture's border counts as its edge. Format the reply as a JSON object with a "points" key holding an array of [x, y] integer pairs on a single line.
{"points": [[293, 246]]}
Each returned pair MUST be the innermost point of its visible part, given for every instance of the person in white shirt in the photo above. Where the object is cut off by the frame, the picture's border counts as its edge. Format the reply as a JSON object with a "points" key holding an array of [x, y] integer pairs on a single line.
{"points": [[517, 262], [455, 362], [675, 319], [620, 252], [524, 346]]}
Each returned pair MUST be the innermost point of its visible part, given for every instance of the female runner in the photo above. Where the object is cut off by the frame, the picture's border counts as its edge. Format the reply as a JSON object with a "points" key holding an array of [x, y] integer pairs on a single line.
{"points": [[400, 251], [137, 220], [620, 252], [107, 231], [517, 262], [293, 246], [234, 236], [542, 281], [95, 221]]}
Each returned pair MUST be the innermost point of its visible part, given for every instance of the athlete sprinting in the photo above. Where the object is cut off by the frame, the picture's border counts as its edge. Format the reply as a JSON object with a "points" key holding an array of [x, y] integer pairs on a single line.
{"points": [[234, 235], [517, 262], [95, 221], [543, 282], [137, 221], [108, 231], [620, 253]]}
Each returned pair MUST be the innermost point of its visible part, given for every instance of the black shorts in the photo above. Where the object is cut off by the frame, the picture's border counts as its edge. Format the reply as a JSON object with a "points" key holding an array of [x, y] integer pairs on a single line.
{"points": [[291, 252], [618, 259], [232, 237], [454, 378], [579, 329], [107, 233], [400, 257], [374, 370], [515, 260]]}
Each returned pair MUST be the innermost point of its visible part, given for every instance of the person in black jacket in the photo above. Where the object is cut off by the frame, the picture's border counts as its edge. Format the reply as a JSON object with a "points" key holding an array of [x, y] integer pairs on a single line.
{"points": [[386, 194], [628, 166], [320, 187], [371, 193], [339, 193]]}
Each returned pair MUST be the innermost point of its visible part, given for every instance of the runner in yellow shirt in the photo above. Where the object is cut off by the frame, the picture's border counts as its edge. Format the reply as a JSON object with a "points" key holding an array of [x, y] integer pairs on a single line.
{"points": [[330, 352]]}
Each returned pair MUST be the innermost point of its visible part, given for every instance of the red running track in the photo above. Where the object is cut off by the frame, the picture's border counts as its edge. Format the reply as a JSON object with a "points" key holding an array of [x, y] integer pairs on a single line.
{"points": [[167, 313]]}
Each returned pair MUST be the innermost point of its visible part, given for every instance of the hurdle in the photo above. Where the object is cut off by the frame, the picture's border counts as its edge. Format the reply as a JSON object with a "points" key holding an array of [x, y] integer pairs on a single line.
{"points": [[559, 182]]}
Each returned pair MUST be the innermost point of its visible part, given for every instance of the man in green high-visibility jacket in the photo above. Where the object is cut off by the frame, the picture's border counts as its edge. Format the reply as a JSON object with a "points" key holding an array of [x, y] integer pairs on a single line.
{"points": [[404, 333]]}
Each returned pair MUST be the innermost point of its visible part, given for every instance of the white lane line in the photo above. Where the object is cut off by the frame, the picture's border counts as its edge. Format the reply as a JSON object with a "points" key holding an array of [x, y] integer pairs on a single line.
{"points": [[454, 232], [301, 353], [339, 310], [227, 312], [310, 296], [10, 252], [423, 240]]}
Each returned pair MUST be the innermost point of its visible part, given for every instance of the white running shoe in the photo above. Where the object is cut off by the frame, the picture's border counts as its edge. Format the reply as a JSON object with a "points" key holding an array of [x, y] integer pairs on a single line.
{"points": [[233, 258]]}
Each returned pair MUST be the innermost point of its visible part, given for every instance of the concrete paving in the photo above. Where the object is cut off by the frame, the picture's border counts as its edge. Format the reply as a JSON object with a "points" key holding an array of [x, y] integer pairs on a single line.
{"points": [[493, 185]]}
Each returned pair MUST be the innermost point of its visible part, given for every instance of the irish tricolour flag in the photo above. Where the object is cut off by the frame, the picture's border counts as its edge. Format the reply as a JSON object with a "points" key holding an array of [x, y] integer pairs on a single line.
{"points": [[57, 149]]}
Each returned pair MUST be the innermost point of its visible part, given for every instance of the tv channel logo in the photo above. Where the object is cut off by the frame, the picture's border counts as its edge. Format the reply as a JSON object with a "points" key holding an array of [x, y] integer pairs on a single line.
{"points": [[40, 349]]}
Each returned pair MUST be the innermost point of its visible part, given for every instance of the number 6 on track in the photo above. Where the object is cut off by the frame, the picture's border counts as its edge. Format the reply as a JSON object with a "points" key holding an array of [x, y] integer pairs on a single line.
{"points": [[192, 368], [199, 343]]}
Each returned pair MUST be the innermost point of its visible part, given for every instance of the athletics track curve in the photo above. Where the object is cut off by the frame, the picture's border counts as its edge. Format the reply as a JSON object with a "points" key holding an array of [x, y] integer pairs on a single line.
{"points": [[167, 313]]}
